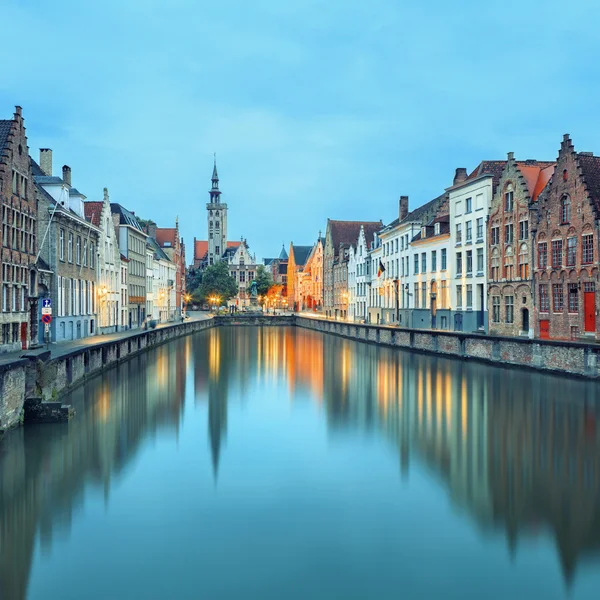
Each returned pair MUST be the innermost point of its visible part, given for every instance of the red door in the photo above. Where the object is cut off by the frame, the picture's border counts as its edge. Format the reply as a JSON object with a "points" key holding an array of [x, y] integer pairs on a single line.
{"points": [[589, 311], [24, 336], [545, 329]]}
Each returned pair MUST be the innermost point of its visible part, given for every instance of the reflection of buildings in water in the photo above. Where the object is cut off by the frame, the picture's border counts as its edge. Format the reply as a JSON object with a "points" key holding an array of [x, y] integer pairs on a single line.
{"points": [[44, 469]]}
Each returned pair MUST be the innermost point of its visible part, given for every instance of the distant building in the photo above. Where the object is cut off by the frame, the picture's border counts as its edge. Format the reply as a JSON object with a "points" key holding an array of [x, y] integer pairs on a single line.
{"points": [[242, 267], [297, 257], [279, 270], [172, 245], [311, 279], [20, 308]]}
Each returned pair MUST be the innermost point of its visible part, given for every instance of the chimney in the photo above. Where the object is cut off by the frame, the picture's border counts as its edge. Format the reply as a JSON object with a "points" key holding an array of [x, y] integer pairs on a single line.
{"points": [[151, 229], [460, 175], [510, 156], [18, 111], [67, 175], [403, 207], [46, 161]]}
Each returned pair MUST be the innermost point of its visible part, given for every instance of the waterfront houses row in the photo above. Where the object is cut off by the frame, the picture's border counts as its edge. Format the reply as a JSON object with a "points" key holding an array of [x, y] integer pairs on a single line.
{"points": [[100, 267], [510, 248]]}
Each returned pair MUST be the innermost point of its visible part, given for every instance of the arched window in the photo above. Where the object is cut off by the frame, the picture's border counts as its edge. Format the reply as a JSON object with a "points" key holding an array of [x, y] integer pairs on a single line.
{"points": [[523, 263], [565, 209]]}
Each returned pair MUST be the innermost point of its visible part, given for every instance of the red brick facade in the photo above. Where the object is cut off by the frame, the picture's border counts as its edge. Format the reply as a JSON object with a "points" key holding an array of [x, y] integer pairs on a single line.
{"points": [[18, 238], [566, 249]]}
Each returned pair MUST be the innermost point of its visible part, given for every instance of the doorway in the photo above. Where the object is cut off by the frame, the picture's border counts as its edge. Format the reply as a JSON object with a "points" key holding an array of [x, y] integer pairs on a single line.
{"points": [[433, 304], [589, 311], [545, 329], [458, 322], [525, 320]]}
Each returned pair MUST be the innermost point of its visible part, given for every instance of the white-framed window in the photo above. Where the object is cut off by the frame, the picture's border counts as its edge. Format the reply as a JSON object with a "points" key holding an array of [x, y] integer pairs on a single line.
{"points": [[85, 253], [61, 244], [70, 248]]}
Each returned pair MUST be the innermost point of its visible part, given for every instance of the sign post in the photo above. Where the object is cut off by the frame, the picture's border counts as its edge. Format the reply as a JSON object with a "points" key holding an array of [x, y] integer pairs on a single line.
{"points": [[47, 318]]}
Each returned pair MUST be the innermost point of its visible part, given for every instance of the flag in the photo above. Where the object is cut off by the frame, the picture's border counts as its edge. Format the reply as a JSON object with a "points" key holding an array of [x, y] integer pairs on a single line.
{"points": [[381, 269]]}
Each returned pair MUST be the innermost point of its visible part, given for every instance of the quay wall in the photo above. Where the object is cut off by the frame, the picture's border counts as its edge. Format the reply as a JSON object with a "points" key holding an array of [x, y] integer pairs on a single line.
{"points": [[572, 358]]}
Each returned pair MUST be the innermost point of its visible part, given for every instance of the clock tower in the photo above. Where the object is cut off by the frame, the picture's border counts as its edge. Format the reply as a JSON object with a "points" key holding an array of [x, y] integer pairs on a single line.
{"points": [[217, 220]]}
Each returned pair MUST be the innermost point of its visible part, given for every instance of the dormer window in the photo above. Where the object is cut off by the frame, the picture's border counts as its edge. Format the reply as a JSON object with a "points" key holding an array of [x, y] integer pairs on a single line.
{"points": [[423, 232], [436, 229]]}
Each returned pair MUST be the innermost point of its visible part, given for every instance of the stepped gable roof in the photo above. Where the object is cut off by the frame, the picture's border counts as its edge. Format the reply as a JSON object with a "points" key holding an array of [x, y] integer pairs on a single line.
{"points": [[345, 233], [126, 217], [155, 247], [590, 170], [5, 127], [301, 254], [92, 211]]}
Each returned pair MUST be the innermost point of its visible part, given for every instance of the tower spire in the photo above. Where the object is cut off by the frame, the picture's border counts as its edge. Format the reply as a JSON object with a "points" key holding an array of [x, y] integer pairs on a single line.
{"points": [[215, 175]]}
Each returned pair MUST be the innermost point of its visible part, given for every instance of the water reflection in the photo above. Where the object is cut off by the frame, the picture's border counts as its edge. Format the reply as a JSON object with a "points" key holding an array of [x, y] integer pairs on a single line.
{"points": [[517, 452]]}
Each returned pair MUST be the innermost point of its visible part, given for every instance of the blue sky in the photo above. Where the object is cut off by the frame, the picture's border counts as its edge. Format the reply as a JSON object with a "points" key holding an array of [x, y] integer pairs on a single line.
{"points": [[316, 108]]}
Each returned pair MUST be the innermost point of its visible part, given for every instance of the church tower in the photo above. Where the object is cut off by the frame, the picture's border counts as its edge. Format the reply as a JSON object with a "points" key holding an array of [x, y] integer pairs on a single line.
{"points": [[217, 221]]}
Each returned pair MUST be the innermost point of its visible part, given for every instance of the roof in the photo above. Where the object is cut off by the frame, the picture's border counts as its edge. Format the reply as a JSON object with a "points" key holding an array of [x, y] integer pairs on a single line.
{"points": [[5, 127], [200, 249], [487, 167], [229, 252], [125, 217], [346, 233], [166, 235], [124, 258], [301, 254], [590, 169], [42, 265], [158, 251], [536, 175], [75, 192], [92, 211], [267, 261], [443, 220], [283, 255]]}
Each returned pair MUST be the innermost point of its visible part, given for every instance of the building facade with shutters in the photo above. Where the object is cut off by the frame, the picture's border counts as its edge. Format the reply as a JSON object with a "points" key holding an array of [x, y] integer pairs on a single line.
{"points": [[566, 229], [18, 238], [68, 244]]}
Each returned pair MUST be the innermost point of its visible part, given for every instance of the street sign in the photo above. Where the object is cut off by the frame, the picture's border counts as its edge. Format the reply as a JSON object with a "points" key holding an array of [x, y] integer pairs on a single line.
{"points": [[47, 303], [47, 327], [46, 311], [47, 319]]}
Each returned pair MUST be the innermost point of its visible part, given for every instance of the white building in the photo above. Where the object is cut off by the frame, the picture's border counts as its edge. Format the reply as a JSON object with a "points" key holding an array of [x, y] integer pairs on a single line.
{"points": [[164, 305], [242, 267], [359, 278], [470, 201], [150, 298], [109, 265], [374, 256], [123, 292]]}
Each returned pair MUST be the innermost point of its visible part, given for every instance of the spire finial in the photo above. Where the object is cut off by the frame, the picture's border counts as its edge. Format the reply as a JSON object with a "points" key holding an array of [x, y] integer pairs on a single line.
{"points": [[177, 222]]}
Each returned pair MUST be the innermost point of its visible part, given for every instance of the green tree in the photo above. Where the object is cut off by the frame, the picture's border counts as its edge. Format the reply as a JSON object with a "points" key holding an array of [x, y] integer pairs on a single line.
{"points": [[264, 280], [216, 281]]}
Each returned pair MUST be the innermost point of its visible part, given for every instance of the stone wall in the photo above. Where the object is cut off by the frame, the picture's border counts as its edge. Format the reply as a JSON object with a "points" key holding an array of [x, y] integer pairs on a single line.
{"points": [[547, 355], [12, 392]]}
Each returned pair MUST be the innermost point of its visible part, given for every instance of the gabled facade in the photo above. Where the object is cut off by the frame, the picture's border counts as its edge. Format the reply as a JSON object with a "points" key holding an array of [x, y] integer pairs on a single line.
{"points": [[109, 265], [470, 200], [242, 267], [567, 261], [19, 317], [164, 298], [311, 281], [171, 242], [297, 257], [69, 247], [339, 236], [359, 278], [510, 251]]}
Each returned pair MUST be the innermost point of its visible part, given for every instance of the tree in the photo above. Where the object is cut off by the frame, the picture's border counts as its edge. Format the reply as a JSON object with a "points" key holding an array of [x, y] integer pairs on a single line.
{"points": [[264, 280], [216, 281]]}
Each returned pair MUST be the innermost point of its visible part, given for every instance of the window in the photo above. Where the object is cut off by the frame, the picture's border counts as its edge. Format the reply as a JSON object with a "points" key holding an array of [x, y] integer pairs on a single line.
{"points": [[85, 253], [218, 251], [496, 309], [543, 255], [459, 293], [434, 261], [424, 295], [495, 235], [70, 248], [587, 243], [573, 298], [469, 231], [479, 261], [469, 296], [416, 264], [523, 263], [92, 256], [571, 251], [217, 225], [458, 208], [443, 259], [523, 230], [424, 262], [444, 294], [509, 308], [458, 233], [557, 253], [544, 299], [459, 264], [61, 244], [508, 234], [468, 205], [565, 209], [480, 229], [469, 262], [436, 229], [557, 298], [416, 292], [495, 271], [509, 202]]}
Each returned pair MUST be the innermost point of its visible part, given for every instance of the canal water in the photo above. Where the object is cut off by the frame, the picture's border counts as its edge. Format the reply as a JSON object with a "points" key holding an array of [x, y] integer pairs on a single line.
{"points": [[278, 463]]}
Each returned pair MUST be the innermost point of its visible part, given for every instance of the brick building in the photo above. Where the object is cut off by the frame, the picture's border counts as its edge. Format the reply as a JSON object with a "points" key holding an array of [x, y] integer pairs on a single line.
{"points": [[567, 262], [297, 257], [19, 315], [510, 252], [171, 242]]}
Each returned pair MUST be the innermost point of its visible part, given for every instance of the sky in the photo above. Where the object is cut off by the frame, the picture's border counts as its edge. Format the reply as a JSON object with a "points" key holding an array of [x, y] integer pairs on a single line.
{"points": [[316, 109]]}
